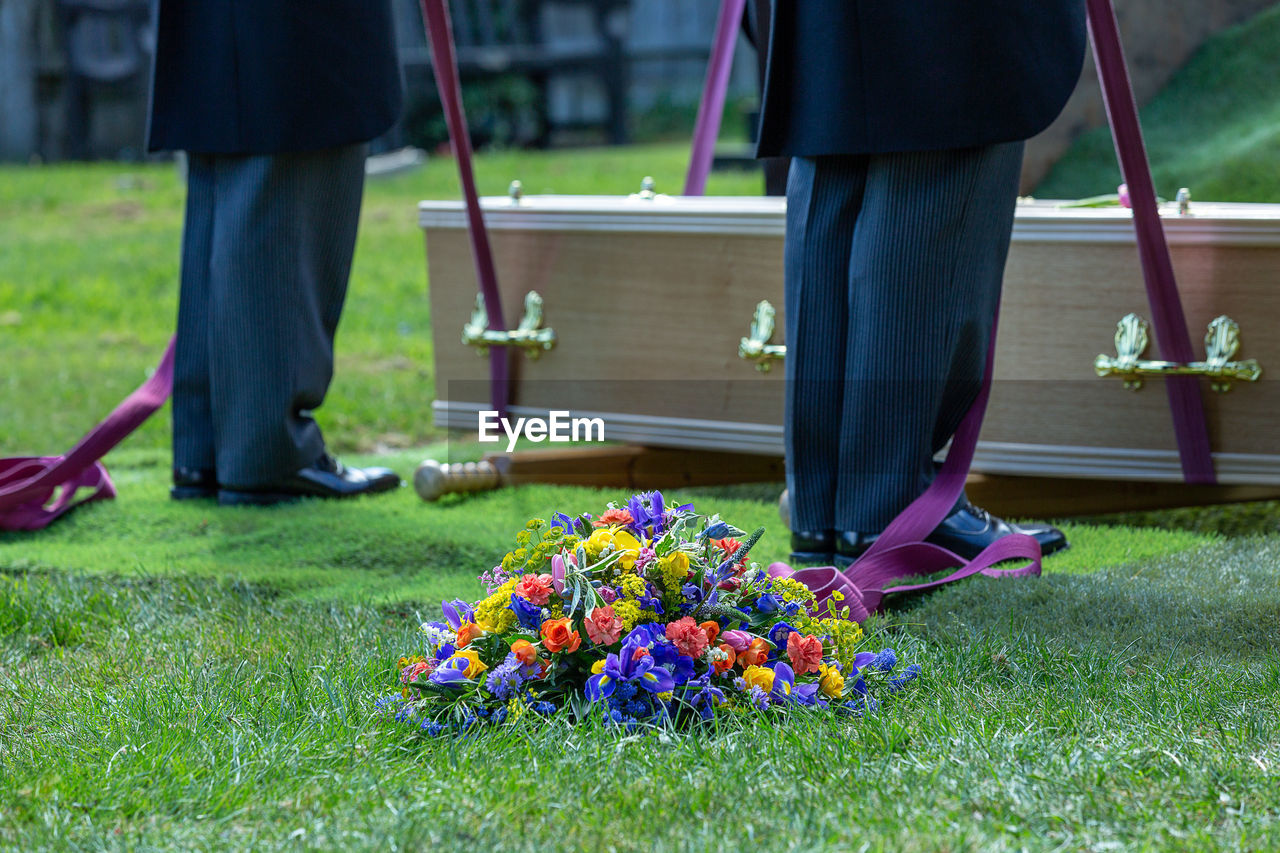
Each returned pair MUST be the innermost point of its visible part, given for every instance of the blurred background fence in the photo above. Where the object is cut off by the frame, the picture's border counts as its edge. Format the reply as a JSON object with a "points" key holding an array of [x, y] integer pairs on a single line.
{"points": [[73, 73]]}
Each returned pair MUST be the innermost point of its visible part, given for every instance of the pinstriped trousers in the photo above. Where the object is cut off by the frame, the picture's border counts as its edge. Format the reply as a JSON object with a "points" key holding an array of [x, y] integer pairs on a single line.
{"points": [[266, 253], [893, 266]]}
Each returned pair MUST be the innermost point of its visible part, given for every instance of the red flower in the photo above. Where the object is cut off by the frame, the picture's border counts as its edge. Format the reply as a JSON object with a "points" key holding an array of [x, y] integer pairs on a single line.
{"points": [[688, 637], [411, 672], [729, 546], [536, 588], [805, 652]]}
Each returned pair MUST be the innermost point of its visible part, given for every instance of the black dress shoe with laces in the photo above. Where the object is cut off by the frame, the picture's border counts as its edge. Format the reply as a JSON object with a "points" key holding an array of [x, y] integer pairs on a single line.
{"points": [[970, 529], [194, 483], [327, 478], [850, 544], [966, 532], [813, 546]]}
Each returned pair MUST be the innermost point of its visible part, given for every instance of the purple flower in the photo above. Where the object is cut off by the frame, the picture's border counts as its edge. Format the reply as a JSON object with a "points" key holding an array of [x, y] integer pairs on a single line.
{"points": [[630, 667], [778, 634], [647, 556], [647, 511], [669, 658], [768, 603], [494, 578], [528, 614], [885, 660], [784, 682], [807, 694], [646, 634], [457, 612], [557, 574], [507, 677], [451, 673], [901, 681]]}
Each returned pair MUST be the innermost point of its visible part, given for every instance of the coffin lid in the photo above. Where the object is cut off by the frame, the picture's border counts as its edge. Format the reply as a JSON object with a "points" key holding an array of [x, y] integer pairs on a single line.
{"points": [[1037, 221]]}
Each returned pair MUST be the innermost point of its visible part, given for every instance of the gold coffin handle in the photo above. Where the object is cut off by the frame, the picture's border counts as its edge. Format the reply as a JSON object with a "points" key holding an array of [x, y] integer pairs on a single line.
{"points": [[1221, 343], [529, 335], [756, 347]]}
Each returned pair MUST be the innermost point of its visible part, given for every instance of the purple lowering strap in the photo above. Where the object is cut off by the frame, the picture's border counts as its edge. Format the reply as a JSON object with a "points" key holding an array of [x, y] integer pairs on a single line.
{"points": [[711, 108], [1185, 401], [444, 63], [899, 552], [28, 484]]}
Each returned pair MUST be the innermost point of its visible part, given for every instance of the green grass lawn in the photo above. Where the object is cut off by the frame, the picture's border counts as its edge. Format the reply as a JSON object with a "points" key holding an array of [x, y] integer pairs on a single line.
{"points": [[1215, 128], [178, 675]]}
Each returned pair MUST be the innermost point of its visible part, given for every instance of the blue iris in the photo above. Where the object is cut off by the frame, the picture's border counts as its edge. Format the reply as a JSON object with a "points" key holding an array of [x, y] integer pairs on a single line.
{"points": [[528, 614]]}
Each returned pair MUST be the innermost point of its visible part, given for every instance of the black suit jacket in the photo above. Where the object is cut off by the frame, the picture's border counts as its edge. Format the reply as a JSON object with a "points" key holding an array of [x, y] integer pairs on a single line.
{"points": [[873, 76], [266, 76]]}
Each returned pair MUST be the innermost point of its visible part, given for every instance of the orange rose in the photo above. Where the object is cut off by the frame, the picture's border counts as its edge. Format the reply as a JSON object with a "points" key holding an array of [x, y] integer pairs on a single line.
{"points": [[556, 636], [524, 652], [712, 629], [730, 656], [756, 654], [467, 632]]}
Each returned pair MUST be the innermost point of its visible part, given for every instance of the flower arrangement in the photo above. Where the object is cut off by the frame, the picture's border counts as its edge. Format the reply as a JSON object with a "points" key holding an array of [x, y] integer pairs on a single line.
{"points": [[647, 614]]}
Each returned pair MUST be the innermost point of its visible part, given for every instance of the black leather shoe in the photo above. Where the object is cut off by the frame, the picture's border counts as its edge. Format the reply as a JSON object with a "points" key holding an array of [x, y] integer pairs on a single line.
{"points": [[327, 478], [850, 544], [193, 483], [813, 546], [970, 529]]}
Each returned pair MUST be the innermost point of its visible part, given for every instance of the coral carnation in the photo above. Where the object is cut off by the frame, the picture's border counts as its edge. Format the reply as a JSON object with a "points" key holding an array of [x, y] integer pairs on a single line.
{"points": [[603, 626], [688, 637], [535, 588], [613, 516], [805, 652]]}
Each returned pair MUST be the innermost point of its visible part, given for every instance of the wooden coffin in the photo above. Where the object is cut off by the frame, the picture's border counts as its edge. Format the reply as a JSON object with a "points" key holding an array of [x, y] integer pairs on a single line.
{"points": [[650, 298]]}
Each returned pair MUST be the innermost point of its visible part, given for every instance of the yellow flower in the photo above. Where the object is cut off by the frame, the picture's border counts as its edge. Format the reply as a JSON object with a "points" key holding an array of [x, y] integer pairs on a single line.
{"points": [[758, 676], [475, 666], [619, 539], [830, 681], [674, 568], [493, 613], [598, 541], [629, 546], [597, 667], [632, 586], [792, 590], [629, 612]]}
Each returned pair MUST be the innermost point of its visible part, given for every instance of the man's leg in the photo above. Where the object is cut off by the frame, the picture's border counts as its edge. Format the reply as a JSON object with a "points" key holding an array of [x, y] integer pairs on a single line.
{"points": [[925, 272], [283, 238], [823, 198], [193, 447]]}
